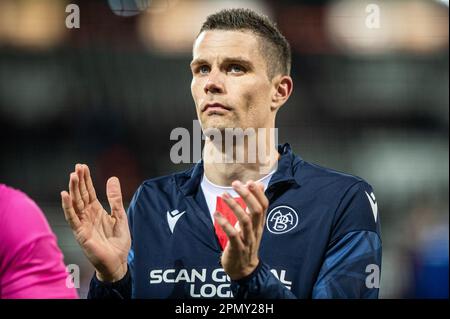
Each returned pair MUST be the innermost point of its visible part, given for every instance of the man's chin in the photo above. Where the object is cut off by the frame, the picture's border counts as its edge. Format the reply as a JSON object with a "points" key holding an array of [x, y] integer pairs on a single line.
{"points": [[217, 124], [212, 131]]}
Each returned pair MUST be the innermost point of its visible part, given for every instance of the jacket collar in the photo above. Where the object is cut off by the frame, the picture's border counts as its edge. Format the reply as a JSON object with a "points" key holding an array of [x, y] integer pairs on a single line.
{"points": [[189, 181]]}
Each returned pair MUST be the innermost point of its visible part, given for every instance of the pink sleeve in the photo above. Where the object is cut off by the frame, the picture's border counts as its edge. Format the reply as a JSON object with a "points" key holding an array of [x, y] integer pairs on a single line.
{"points": [[31, 264]]}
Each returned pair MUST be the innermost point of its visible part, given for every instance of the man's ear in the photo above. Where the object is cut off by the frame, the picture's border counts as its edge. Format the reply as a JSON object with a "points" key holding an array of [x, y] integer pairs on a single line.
{"points": [[283, 86]]}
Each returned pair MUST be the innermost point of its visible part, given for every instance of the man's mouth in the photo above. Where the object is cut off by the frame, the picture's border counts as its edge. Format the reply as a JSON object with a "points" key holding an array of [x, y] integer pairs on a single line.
{"points": [[215, 107]]}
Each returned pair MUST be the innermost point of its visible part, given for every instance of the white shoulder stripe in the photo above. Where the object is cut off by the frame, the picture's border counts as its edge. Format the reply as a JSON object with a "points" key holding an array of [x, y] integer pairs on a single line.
{"points": [[373, 204]]}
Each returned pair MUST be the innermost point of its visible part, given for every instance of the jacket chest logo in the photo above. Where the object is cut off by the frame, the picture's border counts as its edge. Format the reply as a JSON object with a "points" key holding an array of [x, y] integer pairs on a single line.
{"points": [[281, 219], [172, 218]]}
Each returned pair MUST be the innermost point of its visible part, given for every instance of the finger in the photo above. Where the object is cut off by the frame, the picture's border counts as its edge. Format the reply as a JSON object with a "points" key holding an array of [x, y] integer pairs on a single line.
{"points": [[114, 195], [257, 189], [245, 222], [241, 233], [83, 190], [253, 206], [69, 212], [250, 200], [233, 235], [75, 192], [89, 185]]}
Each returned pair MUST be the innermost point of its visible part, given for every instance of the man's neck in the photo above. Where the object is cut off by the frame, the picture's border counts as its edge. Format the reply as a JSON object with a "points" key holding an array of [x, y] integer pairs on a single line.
{"points": [[224, 174]]}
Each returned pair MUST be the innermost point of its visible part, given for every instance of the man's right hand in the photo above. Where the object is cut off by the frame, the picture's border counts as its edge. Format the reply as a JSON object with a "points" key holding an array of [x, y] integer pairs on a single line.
{"points": [[105, 238]]}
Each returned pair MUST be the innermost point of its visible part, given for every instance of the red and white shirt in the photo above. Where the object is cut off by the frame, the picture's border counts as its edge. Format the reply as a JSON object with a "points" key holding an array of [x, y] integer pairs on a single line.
{"points": [[213, 193]]}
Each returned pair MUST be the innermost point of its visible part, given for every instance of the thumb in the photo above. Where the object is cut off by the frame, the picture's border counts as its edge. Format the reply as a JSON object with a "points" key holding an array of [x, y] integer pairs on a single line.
{"points": [[114, 195]]}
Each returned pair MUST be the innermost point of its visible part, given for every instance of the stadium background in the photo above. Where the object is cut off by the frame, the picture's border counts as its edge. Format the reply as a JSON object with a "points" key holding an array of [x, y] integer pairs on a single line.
{"points": [[371, 101]]}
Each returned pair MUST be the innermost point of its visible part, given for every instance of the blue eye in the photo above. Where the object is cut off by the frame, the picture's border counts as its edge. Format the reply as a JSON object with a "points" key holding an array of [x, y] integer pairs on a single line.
{"points": [[203, 69], [236, 68]]}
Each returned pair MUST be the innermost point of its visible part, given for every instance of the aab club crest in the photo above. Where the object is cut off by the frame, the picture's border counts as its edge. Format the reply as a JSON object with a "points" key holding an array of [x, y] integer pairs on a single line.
{"points": [[281, 219]]}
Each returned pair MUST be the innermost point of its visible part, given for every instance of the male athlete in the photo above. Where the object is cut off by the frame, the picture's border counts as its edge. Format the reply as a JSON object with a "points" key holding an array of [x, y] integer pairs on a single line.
{"points": [[274, 227]]}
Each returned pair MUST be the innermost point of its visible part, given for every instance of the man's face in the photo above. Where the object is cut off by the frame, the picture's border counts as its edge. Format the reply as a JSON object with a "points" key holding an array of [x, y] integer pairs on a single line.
{"points": [[230, 85]]}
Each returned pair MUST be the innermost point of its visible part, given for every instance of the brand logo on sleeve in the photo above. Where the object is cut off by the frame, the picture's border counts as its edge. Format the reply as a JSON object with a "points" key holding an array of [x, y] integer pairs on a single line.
{"points": [[373, 204], [281, 219]]}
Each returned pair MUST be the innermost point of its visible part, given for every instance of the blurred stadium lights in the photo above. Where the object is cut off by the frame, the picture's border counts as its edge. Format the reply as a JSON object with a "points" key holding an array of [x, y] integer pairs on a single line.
{"points": [[417, 26], [32, 24], [171, 29]]}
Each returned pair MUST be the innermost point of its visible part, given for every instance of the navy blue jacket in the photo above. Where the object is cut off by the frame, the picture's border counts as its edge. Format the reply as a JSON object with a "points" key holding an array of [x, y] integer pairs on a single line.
{"points": [[321, 239]]}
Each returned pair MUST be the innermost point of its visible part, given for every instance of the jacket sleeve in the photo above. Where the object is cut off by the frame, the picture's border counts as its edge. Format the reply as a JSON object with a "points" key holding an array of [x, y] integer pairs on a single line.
{"points": [[352, 262], [260, 284], [351, 268], [105, 290]]}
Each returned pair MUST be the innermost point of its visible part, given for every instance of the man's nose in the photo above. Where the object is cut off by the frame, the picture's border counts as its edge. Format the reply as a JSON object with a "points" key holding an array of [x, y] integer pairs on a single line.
{"points": [[214, 84]]}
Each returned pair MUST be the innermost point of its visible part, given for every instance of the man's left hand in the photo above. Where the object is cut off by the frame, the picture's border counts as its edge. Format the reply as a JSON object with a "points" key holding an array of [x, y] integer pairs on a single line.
{"points": [[240, 257]]}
